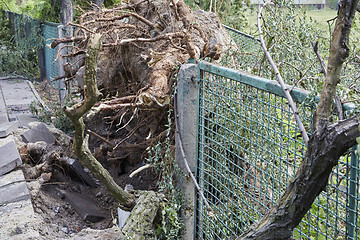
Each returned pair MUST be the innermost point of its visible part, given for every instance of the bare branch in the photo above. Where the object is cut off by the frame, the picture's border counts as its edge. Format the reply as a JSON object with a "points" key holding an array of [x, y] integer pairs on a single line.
{"points": [[58, 41], [322, 64], [280, 79]]}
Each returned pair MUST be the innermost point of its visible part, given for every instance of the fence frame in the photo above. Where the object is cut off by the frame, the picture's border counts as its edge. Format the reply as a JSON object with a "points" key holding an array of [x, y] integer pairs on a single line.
{"points": [[299, 95]]}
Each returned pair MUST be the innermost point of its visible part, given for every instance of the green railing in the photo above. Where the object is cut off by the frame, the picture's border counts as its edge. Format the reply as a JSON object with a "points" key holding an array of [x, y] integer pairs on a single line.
{"points": [[249, 148]]}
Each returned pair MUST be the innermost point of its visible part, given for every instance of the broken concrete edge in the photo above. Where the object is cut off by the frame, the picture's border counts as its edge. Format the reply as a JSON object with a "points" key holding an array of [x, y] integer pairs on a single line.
{"points": [[39, 133], [9, 157], [14, 77], [37, 96], [7, 128], [13, 188], [84, 207]]}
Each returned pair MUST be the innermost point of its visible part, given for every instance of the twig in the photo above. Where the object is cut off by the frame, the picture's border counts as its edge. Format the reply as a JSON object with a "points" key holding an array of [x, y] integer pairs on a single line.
{"points": [[139, 170], [177, 126], [82, 27], [56, 42], [315, 48], [126, 15], [100, 137], [280, 79], [167, 36]]}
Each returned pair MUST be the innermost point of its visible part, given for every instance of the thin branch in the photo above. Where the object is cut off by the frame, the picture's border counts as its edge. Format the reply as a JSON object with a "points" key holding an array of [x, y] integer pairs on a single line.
{"points": [[323, 68], [139, 170], [316, 50], [126, 15], [178, 137], [56, 42], [167, 36], [280, 79], [81, 26], [100, 137]]}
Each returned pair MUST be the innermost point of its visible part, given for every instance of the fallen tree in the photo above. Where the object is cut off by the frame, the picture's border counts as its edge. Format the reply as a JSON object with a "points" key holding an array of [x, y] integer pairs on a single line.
{"points": [[143, 43], [132, 53]]}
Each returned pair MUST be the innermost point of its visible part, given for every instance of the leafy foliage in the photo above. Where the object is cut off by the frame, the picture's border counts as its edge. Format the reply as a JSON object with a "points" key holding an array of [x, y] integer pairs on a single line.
{"points": [[161, 156], [18, 53]]}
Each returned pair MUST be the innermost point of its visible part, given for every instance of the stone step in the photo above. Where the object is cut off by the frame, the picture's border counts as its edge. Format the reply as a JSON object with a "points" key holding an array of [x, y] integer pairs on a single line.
{"points": [[17, 219], [9, 157], [6, 128]]}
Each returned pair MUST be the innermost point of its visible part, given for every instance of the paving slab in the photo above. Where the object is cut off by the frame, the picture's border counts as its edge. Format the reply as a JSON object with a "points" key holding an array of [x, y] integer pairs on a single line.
{"points": [[6, 140], [17, 94], [6, 128], [38, 133], [24, 119], [76, 166], [9, 157], [13, 188], [85, 207]]}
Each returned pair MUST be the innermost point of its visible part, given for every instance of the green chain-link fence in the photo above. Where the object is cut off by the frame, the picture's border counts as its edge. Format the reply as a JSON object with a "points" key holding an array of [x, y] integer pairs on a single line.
{"points": [[250, 147]]}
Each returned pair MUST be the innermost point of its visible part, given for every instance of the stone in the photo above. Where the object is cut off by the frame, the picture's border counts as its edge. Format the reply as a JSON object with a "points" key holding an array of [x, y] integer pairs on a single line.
{"points": [[24, 119], [76, 167], [7, 128], [84, 207], [122, 216], [9, 157], [39, 133], [13, 188], [17, 94]]}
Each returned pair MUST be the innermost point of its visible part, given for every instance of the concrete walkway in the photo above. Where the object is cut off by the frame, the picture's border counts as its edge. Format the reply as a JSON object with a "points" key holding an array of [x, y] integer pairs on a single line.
{"points": [[16, 211]]}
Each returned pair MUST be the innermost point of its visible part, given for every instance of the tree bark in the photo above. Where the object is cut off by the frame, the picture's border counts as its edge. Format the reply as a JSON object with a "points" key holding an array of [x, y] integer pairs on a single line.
{"points": [[76, 112], [139, 225], [339, 51]]}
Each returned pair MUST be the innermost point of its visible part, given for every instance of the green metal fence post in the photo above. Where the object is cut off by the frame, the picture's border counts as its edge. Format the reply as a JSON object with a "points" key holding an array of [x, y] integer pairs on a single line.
{"points": [[351, 223], [187, 122]]}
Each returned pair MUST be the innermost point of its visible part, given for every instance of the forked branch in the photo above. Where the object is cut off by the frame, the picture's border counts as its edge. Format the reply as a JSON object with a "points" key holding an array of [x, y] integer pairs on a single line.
{"points": [[75, 114]]}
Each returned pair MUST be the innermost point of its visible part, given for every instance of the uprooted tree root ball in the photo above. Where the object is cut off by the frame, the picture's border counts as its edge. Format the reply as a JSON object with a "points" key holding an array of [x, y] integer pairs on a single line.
{"points": [[131, 54]]}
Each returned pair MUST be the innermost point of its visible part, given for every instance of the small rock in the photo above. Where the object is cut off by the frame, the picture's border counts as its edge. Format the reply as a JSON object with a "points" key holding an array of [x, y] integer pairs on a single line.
{"points": [[65, 229], [57, 210], [18, 230], [61, 195]]}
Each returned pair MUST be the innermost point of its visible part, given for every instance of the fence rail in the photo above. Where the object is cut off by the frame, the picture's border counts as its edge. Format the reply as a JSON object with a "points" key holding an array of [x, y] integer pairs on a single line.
{"points": [[249, 148]]}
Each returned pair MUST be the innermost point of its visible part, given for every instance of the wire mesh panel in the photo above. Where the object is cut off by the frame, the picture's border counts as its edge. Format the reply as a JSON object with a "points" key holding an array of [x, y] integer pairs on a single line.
{"points": [[249, 148], [52, 67], [245, 55]]}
